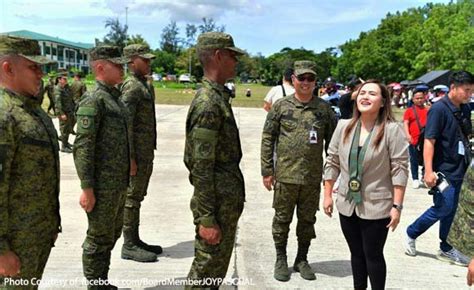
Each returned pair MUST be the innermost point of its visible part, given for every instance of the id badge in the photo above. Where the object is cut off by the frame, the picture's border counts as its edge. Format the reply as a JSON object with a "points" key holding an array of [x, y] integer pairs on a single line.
{"points": [[313, 137], [461, 148]]}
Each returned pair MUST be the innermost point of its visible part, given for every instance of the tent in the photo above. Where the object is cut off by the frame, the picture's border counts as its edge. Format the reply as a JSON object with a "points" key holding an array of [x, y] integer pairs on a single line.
{"points": [[432, 78]]}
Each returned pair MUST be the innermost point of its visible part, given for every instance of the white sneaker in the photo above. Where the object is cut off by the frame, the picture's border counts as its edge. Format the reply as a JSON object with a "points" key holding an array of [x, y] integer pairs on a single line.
{"points": [[416, 184], [410, 246]]}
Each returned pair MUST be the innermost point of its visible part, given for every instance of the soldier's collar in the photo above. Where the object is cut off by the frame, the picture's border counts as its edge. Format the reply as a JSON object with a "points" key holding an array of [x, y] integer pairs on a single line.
{"points": [[141, 78], [115, 92], [312, 103], [221, 89], [21, 100]]}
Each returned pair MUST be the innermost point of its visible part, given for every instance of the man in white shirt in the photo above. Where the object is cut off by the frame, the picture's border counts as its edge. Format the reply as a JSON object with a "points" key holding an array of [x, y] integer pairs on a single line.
{"points": [[280, 91]]}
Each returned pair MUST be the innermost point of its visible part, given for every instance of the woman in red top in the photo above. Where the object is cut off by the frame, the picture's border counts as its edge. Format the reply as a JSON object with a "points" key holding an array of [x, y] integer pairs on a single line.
{"points": [[412, 129]]}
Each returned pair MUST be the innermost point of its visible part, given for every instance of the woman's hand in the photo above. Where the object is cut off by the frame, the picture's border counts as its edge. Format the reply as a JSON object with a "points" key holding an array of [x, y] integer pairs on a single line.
{"points": [[328, 206], [394, 218]]}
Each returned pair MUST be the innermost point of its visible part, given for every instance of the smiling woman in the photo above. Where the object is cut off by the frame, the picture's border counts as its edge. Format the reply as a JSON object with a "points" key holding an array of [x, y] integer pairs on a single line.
{"points": [[373, 170]]}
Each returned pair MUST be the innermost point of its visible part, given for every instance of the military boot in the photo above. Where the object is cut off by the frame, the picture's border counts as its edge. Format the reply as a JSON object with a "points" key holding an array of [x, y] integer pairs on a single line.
{"points": [[301, 262], [281, 272], [150, 248], [130, 248]]}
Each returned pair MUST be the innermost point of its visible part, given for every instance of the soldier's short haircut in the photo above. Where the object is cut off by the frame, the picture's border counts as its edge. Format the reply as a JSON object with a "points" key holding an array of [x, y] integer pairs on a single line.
{"points": [[459, 78], [205, 56]]}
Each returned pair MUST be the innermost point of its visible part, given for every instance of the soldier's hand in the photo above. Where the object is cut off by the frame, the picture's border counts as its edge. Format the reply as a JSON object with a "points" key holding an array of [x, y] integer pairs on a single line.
{"points": [[268, 182], [211, 235], [470, 273], [328, 206], [9, 264], [133, 167], [63, 117], [87, 199]]}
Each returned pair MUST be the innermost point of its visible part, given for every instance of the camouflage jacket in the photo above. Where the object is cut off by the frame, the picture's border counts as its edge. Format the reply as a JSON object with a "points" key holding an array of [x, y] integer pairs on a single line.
{"points": [[287, 132], [29, 170], [101, 151], [63, 100], [461, 234], [77, 89], [49, 89], [212, 151], [140, 102]]}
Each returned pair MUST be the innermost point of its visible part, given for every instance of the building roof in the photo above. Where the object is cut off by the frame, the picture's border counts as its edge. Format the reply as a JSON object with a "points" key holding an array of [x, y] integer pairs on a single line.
{"points": [[44, 37]]}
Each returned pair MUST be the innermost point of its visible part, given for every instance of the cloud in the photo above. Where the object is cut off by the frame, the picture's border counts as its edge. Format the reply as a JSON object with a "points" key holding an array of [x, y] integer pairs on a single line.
{"points": [[184, 10]]}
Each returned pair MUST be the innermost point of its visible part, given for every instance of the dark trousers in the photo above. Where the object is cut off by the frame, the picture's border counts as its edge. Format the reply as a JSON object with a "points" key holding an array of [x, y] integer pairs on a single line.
{"points": [[414, 163], [366, 240]]}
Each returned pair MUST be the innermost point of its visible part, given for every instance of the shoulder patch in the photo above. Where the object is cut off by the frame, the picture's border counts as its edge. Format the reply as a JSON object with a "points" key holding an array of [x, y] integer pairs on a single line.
{"points": [[85, 119]]}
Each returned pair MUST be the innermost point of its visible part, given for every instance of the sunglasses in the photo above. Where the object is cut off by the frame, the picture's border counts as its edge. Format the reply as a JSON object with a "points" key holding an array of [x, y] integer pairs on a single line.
{"points": [[309, 78]]}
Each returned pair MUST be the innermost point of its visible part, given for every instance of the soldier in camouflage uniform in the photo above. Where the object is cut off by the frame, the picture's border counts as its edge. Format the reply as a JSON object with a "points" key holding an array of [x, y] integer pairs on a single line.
{"points": [[64, 110], [212, 156], [461, 234], [29, 166], [101, 156], [49, 88], [77, 88], [298, 128], [140, 102]]}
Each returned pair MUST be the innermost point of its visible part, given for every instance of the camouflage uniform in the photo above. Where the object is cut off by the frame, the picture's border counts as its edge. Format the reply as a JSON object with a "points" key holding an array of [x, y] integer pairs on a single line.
{"points": [[461, 234], [78, 89], [296, 133], [64, 106], [29, 177], [212, 156], [101, 156], [140, 102], [49, 88]]}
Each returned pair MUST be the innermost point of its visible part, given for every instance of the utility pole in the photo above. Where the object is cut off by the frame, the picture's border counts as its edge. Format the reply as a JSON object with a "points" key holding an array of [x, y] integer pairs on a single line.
{"points": [[126, 16]]}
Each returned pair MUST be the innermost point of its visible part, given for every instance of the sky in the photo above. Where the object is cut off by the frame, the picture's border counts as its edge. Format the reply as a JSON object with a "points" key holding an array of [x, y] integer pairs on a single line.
{"points": [[258, 26]]}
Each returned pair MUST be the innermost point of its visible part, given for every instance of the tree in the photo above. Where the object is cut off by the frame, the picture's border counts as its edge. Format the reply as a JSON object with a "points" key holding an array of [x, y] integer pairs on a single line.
{"points": [[210, 25], [117, 35], [169, 38], [191, 31], [164, 62], [137, 39]]}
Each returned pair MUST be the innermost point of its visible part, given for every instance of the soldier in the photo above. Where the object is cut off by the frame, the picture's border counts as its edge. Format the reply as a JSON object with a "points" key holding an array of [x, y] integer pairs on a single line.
{"points": [[78, 88], [101, 155], [212, 156], [140, 101], [461, 234], [65, 111], [296, 128], [49, 88], [29, 166]]}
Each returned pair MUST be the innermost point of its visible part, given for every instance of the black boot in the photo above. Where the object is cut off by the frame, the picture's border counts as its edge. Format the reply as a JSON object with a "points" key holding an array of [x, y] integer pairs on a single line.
{"points": [[65, 148], [131, 249], [281, 272], [301, 262], [150, 248]]}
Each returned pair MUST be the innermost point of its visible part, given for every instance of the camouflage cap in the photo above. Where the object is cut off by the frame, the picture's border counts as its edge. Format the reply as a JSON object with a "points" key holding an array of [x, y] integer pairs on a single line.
{"points": [[216, 40], [61, 74], [141, 50], [24, 47], [108, 52], [304, 67]]}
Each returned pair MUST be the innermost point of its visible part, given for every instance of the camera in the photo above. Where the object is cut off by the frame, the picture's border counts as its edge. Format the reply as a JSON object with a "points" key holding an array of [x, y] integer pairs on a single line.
{"points": [[441, 184]]}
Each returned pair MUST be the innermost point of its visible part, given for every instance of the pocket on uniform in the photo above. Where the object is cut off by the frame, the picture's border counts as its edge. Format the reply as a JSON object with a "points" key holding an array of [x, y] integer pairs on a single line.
{"points": [[288, 125], [381, 195]]}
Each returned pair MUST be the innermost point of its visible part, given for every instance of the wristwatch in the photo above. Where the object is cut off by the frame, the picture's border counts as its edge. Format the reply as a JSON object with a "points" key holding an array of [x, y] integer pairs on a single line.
{"points": [[399, 207]]}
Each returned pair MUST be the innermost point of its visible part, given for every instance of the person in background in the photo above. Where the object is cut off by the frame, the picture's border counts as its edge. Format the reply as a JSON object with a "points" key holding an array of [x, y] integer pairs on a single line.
{"points": [[346, 102], [414, 121], [277, 92]]}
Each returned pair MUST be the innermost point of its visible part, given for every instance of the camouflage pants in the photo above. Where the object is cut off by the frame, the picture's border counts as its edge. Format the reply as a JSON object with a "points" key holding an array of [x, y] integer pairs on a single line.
{"points": [[105, 227], [306, 200], [139, 184], [66, 127], [33, 252], [212, 261]]}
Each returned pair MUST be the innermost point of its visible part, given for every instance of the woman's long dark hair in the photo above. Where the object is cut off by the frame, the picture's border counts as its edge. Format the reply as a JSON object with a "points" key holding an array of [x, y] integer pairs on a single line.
{"points": [[385, 113]]}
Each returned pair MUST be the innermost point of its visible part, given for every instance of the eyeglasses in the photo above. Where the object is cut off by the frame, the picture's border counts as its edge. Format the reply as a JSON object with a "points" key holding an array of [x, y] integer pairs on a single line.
{"points": [[309, 78]]}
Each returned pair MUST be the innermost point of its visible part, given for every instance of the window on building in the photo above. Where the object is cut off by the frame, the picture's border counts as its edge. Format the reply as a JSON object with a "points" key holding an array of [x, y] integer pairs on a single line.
{"points": [[55, 51], [47, 50]]}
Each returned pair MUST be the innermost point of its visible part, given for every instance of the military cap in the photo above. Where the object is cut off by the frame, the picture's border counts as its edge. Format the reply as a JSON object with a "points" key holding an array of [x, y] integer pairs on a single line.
{"points": [[141, 50], [62, 74], [24, 47], [217, 40], [304, 67], [108, 52]]}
